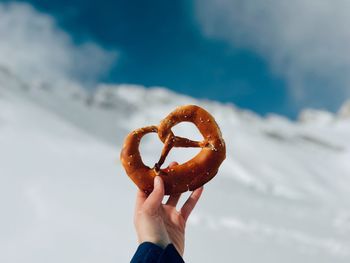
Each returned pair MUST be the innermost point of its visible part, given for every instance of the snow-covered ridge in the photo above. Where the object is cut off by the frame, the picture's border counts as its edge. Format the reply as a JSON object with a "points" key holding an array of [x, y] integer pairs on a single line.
{"points": [[137, 97]]}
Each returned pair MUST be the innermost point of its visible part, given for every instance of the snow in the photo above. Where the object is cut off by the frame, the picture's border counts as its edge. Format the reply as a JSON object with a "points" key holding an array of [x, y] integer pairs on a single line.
{"points": [[282, 195]]}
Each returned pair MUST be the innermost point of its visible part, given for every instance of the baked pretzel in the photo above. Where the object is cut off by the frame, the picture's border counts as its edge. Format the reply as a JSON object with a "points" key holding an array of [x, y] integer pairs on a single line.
{"points": [[183, 177]]}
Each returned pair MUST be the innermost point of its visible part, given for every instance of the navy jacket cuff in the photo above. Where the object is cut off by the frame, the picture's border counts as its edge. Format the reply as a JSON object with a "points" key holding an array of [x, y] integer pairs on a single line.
{"points": [[148, 252]]}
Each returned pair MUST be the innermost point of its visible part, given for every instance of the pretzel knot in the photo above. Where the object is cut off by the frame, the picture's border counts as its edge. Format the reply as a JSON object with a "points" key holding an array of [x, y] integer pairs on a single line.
{"points": [[184, 177]]}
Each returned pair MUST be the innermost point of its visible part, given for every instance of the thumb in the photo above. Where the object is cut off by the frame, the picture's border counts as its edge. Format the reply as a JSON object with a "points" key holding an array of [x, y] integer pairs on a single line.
{"points": [[172, 164], [154, 200]]}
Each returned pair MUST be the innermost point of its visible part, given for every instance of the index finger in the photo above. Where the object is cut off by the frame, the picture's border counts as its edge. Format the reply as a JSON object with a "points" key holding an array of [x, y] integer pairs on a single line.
{"points": [[191, 203]]}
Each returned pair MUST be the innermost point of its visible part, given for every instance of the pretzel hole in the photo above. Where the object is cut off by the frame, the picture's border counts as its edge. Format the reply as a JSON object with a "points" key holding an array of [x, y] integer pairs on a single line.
{"points": [[150, 149], [187, 130], [179, 154]]}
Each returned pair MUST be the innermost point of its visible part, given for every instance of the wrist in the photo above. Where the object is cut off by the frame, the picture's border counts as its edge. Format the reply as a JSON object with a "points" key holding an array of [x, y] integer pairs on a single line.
{"points": [[162, 242]]}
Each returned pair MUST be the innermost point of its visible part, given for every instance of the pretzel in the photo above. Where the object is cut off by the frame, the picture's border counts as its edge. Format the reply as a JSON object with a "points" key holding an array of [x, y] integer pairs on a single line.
{"points": [[183, 177]]}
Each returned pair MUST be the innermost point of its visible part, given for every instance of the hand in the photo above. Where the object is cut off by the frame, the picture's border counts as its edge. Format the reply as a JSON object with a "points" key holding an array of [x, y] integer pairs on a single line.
{"points": [[161, 223]]}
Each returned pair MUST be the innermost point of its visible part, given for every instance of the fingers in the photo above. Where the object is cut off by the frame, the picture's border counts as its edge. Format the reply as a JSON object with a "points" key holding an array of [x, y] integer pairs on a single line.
{"points": [[173, 200], [191, 203], [154, 200]]}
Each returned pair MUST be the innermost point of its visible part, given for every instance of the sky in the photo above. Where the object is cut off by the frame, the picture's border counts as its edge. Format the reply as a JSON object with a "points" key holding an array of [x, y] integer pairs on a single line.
{"points": [[267, 56]]}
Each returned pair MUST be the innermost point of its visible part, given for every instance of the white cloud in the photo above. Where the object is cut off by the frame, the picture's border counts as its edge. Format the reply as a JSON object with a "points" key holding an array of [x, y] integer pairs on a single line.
{"points": [[33, 47], [305, 42]]}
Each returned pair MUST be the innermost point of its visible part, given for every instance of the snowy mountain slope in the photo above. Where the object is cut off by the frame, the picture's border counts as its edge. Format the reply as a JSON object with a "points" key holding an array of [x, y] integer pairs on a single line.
{"points": [[282, 194]]}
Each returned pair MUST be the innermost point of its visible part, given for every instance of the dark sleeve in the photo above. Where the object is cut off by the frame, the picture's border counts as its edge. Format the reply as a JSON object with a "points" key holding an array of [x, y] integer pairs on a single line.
{"points": [[148, 252]]}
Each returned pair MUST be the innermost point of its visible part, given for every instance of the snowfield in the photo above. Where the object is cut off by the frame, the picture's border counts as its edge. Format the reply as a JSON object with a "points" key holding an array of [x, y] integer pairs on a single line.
{"points": [[282, 194]]}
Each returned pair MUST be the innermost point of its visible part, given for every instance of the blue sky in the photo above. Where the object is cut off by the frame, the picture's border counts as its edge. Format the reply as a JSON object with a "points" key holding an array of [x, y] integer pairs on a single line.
{"points": [[178, 44]]}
